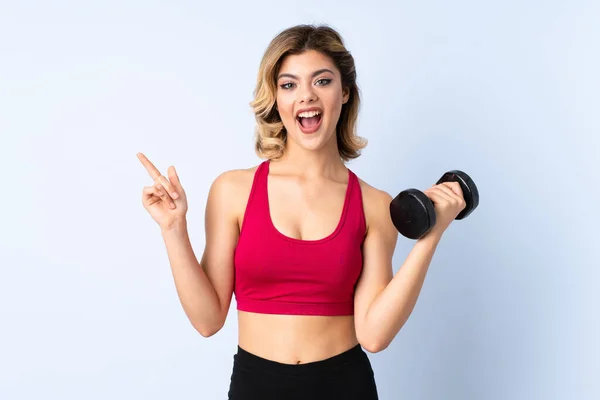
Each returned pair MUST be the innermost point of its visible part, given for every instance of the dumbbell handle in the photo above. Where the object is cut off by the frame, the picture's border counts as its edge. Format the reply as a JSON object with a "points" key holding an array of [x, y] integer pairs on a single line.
{"points": [[468, 187]]}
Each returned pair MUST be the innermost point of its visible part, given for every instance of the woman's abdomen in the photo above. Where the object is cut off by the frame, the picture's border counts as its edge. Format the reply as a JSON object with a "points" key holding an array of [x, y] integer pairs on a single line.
{"points": [[295, 339]]}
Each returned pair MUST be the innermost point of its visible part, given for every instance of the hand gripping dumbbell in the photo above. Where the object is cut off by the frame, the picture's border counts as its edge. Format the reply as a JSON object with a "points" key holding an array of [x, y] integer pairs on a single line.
{"points": [[413, 213]]}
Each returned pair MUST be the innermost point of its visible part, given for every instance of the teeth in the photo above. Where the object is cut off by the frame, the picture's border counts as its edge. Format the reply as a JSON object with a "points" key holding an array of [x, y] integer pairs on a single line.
{"points": [[309, 114]]}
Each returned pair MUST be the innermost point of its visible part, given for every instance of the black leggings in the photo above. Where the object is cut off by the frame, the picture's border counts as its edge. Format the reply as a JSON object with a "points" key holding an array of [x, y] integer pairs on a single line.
{"points": [[345, 376]]}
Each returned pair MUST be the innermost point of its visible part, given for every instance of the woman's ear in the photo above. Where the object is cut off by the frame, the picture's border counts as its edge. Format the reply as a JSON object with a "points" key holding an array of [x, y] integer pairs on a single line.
{"points": [[345, 95]]}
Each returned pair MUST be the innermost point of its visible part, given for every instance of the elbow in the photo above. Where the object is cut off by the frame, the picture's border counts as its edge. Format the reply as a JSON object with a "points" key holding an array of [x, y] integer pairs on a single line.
{"points": [[207, 330], [374, 346], [207, 325]]}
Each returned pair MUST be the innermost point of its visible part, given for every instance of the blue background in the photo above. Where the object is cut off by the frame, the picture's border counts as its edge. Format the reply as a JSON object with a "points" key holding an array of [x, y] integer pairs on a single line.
{"points": [[504, 90]]}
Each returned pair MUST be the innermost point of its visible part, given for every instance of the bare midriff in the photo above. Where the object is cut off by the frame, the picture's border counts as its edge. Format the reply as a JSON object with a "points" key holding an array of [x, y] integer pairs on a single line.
{"points": [[295, 339]]}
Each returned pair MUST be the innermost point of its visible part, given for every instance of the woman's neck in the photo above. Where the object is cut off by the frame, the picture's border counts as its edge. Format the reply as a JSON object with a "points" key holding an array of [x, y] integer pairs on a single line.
{"points": [[325, 162]]}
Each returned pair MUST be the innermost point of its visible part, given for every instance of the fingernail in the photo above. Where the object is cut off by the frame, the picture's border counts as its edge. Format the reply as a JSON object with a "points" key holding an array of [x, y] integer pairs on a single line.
{"points": [[175, 195]]}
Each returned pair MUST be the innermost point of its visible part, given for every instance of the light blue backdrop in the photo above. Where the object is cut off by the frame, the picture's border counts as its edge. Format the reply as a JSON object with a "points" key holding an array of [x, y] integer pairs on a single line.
{"points": [[505, 90]]}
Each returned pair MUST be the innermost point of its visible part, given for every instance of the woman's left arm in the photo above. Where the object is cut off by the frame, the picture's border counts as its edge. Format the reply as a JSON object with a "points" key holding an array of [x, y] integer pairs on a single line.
{"points": [[383, 301]]}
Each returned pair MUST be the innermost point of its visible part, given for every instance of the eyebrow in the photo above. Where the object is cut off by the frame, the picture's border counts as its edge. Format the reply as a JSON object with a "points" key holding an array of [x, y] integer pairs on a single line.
{"points": [[320, 71]]}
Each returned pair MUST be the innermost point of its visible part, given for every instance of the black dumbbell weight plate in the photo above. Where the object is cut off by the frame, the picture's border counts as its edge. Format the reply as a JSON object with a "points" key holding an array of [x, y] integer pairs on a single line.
{"points": [[412, 213]]}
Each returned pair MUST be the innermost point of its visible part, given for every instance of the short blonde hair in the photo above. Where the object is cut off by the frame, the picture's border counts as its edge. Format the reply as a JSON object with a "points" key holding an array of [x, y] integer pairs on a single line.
{"points": [[270, 131]]}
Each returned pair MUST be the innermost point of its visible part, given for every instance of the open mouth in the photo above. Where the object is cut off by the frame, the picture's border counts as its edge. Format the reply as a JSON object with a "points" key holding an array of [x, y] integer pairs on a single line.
{"points": [[310, 120]]}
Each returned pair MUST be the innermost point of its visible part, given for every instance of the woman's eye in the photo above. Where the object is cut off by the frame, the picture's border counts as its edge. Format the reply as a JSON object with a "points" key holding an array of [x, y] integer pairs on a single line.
{"points": [[290, 85], [322, 82]]}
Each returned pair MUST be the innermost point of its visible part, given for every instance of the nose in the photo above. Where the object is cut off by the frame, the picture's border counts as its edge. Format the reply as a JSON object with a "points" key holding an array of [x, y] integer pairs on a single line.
{"points": [[306, 94]]}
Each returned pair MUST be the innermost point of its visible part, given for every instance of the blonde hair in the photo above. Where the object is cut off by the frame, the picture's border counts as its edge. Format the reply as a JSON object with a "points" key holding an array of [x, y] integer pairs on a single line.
{"points": [[270, 132]]}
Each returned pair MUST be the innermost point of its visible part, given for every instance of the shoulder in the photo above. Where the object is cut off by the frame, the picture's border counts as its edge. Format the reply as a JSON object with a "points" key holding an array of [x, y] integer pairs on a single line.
{"points": [[372, 195], [234, 180], [231, 188], [376, 204]]}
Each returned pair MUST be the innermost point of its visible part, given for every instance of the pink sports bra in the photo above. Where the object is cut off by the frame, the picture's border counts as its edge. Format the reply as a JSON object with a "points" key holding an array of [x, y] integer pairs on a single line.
{"points": [[277, 274]]}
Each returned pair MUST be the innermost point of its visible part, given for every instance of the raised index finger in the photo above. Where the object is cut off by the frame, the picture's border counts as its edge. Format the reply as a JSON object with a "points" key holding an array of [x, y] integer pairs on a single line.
{"points": [[152, 170]]}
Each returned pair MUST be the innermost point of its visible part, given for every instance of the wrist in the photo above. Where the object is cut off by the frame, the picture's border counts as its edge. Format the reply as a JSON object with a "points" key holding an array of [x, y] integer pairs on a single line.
{"points": [[178, 227], [433, 237]]}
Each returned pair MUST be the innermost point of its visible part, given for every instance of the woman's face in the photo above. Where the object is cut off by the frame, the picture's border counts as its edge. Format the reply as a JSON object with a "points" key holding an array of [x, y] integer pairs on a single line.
{"points": [[309, 99]]}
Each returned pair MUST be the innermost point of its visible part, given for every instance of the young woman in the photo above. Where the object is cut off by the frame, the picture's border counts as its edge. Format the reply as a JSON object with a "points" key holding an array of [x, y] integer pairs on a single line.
{"points": [[303, 243]]}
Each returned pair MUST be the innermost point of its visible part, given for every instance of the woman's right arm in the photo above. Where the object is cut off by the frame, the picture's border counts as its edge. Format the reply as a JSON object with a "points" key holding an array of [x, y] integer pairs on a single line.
{"points": [[205, 288]]}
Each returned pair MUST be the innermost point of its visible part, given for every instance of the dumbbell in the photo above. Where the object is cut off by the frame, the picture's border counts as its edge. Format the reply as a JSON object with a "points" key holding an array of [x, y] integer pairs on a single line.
{"points": [[413, 213]]}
